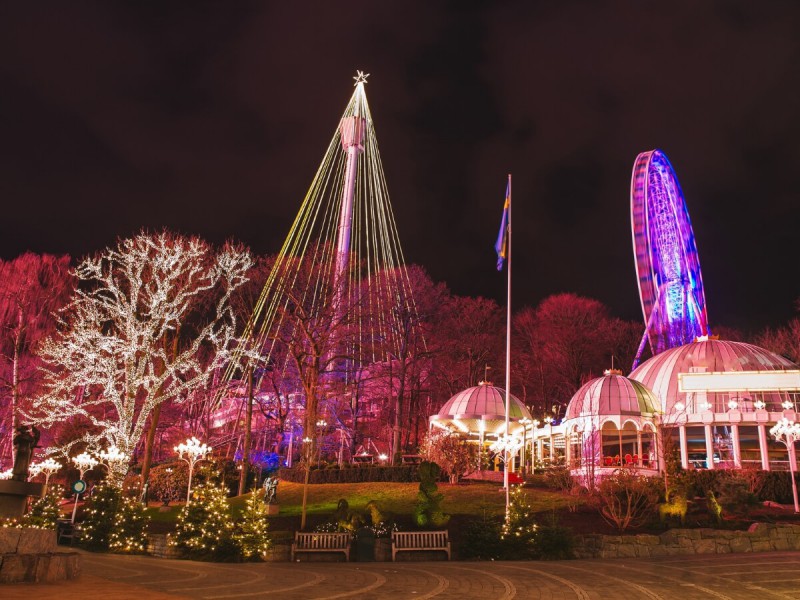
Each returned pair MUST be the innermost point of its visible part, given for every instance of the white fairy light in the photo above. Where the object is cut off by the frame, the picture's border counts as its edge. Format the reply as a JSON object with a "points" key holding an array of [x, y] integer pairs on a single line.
{"points": [[114, 344]]}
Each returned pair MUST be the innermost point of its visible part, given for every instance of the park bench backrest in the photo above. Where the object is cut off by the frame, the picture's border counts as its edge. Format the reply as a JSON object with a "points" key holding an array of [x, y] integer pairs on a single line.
{"points": [[322, 541]]}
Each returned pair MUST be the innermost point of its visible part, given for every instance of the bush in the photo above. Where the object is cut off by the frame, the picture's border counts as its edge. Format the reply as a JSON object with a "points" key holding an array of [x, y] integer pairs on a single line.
{"points": [[554, 542], [481, 540], [428, 511], [168, 482], [356, 474], [627, 499]]}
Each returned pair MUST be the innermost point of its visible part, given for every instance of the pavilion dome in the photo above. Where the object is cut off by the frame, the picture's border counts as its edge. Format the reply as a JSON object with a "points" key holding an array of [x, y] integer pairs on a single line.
{"points": [[660, 373], [612, 395], [481, 407]]}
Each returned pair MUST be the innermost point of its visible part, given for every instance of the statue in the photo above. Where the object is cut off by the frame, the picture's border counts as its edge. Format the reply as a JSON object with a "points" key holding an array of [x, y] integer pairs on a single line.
{"points": [[24, 443], [271, 490]]}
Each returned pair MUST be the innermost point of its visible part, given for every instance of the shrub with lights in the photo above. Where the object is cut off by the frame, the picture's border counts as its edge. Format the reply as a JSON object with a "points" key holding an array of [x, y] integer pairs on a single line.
{"points": [[129, 534], [519, 529], [44, 513], [101, 517], [252, 532], [205, 529]]}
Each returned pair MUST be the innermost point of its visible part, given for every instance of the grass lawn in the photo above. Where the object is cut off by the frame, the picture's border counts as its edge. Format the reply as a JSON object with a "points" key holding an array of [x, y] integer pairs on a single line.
{"points": [[474, 499]]}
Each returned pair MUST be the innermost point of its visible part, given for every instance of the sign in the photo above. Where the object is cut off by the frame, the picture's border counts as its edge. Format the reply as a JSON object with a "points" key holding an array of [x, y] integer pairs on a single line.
{"points": [[740, 381], [79, 486]]}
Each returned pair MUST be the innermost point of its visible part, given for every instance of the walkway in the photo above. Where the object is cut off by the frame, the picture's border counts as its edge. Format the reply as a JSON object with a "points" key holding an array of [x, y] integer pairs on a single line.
{"points": [[773, 575]]}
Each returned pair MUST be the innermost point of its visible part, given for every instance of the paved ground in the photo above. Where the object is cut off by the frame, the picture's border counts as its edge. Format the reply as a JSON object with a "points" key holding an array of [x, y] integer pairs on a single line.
{"points": [[773, 575]]}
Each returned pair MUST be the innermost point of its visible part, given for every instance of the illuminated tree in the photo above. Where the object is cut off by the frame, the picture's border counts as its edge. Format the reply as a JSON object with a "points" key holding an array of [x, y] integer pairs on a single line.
{"points": [[33, 287], [101, 517], [252, 532], [44, 512], [205, 528], [129, 533], [114, 361]]}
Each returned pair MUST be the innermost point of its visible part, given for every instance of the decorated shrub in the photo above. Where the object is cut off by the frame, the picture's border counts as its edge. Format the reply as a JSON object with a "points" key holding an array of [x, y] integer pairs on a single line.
{"points": [[101, 516], [44, 511], [252, 532], [205, 529], [129, 533], [428, 511]]}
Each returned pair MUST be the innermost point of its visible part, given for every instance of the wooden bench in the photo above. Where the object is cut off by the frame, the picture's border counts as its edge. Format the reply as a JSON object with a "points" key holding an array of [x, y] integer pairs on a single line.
{"points": [[321, 542], [67, 530], [410, 541]]}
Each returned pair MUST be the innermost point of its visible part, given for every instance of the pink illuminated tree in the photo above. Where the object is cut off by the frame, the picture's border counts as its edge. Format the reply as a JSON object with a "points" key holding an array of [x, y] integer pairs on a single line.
{"points": [[32, 287]]}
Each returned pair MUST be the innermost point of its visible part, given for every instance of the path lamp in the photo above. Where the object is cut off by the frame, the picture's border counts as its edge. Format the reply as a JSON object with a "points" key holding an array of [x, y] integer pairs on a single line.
{"points": [[48, 467], [788, 432], [507, 446], [192, 451], [83, 462], [113, 460]]}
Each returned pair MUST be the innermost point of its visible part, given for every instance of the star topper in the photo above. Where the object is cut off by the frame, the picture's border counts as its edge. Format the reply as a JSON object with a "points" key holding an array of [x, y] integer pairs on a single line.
{"points": [[361, 77]]}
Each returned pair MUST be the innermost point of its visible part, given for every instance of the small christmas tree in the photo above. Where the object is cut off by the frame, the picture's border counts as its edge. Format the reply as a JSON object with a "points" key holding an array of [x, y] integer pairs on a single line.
{"points": [[205, 528], [129, 534], [44, 511], [252, 533], [101, 517], [519, 529]]}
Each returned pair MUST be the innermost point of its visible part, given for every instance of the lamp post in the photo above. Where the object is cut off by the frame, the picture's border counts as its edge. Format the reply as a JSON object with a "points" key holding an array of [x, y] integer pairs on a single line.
{"points": [[83, 462], [321, 425], [788, 432], [548, 420], [524, 421], [192, 451], [48, 467], [507, 446], [112, 459]]}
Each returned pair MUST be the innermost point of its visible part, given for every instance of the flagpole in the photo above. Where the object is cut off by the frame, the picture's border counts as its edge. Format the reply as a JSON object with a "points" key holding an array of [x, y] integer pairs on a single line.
{"points": [[508, 348]]}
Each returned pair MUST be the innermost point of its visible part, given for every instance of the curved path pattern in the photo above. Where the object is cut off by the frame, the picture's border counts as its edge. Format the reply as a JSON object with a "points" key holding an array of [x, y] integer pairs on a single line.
{"points": [[774, 575]]}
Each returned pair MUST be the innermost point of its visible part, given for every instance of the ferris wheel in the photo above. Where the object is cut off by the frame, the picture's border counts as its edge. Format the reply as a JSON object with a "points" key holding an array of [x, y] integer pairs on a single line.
{"points": [[667, 266]]}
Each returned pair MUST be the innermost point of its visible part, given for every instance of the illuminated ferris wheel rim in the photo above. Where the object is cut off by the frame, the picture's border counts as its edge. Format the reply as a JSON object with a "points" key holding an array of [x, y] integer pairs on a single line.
{"points": [[668, 269]]}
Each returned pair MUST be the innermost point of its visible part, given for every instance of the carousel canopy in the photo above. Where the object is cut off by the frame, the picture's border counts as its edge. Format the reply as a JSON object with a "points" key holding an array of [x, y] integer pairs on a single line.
{"points": [[612, 395], [481, 409]]}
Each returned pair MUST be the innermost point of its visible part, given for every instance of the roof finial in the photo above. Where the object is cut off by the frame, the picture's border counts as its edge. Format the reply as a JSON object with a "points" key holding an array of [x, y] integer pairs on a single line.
{"points": [[361, 77]]}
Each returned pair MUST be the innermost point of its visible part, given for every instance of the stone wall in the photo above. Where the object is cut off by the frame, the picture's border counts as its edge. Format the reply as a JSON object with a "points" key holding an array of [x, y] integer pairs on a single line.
{"points": [[32, 555], [761, 537]]}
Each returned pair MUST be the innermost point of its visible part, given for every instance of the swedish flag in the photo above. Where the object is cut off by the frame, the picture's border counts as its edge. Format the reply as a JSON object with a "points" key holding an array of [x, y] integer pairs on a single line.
{"points": [[501, 246]]}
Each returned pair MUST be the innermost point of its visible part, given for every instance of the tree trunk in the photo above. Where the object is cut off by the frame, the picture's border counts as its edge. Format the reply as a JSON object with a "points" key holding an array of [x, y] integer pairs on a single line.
{"points": [[248, 421], [147, 459]]}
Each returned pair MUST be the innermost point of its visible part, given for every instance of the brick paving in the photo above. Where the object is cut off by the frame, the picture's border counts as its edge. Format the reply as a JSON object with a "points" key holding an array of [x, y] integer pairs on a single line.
{"points": [[774, 575]]}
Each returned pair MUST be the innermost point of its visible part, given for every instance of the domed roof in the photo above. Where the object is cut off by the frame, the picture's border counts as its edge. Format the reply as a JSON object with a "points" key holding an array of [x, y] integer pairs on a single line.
{"points": [[485, 402], [660, 373], [612, 394]]}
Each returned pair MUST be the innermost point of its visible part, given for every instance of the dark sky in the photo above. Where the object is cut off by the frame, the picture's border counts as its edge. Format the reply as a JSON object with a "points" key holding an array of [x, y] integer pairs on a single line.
{"points": [[211, 118]]}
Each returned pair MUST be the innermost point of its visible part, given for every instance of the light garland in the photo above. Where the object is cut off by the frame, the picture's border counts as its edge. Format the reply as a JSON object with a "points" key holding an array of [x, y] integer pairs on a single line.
{"points": [[112, 345]]}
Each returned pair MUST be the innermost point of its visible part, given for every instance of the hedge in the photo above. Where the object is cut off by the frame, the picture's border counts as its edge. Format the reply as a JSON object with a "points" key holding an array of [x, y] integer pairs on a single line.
{"points": [[356, 474], [772, 485]]}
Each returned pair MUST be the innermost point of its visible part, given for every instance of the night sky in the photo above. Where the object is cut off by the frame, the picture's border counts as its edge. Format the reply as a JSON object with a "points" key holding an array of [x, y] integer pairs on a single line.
{"points": [[211, 119]]}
